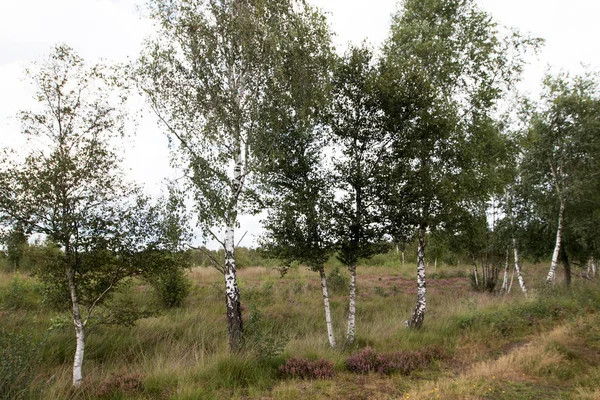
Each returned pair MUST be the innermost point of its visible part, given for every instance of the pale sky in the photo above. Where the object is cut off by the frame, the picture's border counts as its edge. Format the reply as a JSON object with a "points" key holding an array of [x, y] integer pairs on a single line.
{"points": [[113, 30]]}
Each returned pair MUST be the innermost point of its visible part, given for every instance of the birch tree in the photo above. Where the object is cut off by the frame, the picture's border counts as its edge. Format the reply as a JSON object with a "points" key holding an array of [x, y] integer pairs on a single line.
{"points": [[560, 165], [69, 188], [359, 141], [219, 75], [446, 64]]}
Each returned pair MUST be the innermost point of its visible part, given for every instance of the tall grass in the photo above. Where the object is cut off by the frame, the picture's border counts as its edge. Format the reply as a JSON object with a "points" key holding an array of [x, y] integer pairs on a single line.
{"points": [[182, 353]]}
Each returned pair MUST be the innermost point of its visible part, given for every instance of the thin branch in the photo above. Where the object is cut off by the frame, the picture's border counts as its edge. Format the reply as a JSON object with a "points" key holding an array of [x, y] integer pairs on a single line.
{"points": [[242, 238], [218, 266]]}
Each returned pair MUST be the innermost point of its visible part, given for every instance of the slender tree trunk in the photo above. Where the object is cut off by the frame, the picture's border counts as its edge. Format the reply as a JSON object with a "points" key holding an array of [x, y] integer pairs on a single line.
{"points": [[79, 327], [475, 273], [232, 292], [589, 269], [554, 264], [232, 295], [418, 315], [505, 280], [352, 309], [330, 333], [593, 265], [402, 257], [518, 267], [566, 265], [512, 277]]}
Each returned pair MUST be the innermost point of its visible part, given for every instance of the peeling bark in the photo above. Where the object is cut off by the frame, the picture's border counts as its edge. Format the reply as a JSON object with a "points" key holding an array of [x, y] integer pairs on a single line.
{"points": [[518, 267], [418, 315], [352, 308], [330, 333], [554, 264]]}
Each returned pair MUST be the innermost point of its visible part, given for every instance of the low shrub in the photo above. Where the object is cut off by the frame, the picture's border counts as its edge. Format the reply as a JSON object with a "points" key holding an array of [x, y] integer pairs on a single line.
{"points": [[403, 362], [303, 368]]}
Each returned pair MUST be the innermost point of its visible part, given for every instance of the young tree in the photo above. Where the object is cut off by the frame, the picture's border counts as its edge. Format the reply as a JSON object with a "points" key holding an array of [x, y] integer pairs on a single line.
{"points": [[445, 66], [221, 76], [70, 189], [299, 224], [359, 140]]}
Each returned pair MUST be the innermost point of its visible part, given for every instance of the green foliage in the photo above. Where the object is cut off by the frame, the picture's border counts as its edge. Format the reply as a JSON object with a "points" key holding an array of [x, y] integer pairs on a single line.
{"points": [[561, 164], [20, 293], [172, 288], [19, 358]]}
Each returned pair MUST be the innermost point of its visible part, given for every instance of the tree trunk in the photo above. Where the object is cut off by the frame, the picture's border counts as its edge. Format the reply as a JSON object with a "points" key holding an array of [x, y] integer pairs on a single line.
{"points": [[554, 264], [505, 280], [566, 265], [352, 309], [419, 313], [402, 257], [475, 273], [232, 295], [232, 292], [330, 333], [512, 277], [518, 267], [79, 327]]}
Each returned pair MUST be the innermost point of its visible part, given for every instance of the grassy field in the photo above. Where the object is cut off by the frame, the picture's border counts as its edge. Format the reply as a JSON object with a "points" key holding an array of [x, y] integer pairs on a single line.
{"points": [[545, 346]]}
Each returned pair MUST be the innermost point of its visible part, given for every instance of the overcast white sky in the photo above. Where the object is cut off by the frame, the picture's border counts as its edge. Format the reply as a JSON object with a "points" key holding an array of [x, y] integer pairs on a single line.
{"points": [[113, 30]]}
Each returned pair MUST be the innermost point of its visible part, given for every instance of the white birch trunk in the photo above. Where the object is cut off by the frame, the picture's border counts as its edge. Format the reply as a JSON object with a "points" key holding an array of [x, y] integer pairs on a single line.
{"points": [[402, 258], [475, 273], [330, 333], [518, 268], [352, 308], [512, 277], [505, 280], [418, 315], [79, 328], [593, 260], [554, 264], [232, 293]]}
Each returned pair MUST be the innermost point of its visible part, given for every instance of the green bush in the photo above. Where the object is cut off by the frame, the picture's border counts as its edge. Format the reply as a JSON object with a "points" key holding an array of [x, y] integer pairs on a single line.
{"points": [[19, 355], [20, 293], [172, 288]]}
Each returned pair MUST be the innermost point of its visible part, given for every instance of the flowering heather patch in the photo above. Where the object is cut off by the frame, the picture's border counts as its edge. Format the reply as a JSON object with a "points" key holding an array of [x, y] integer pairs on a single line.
{"points": [[307, 369], [367, 360]]}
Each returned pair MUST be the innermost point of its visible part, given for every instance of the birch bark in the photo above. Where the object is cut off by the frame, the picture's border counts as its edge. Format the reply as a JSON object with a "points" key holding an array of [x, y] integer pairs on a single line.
{"points": [[330, 333], [505, 280], [518, 267], [418, 315], [554, 263], [232, 293], [79, 327], [352, 308]]}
